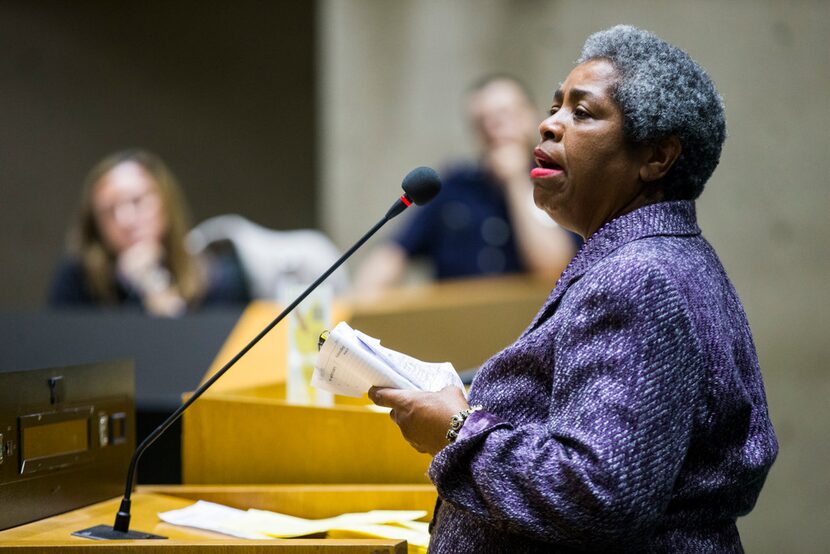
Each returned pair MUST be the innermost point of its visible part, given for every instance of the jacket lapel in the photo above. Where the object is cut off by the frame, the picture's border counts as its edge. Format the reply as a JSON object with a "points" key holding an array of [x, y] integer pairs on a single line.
{"points": [[677, 218]]}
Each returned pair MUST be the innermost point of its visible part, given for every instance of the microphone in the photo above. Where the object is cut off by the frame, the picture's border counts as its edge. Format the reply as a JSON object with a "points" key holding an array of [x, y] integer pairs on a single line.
{"points": [[420, 186]]}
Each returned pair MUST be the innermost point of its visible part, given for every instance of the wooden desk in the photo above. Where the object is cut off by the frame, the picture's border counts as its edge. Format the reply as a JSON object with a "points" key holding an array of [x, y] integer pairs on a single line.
{"points": [[462, 321], [243, 431], [310, 501]]}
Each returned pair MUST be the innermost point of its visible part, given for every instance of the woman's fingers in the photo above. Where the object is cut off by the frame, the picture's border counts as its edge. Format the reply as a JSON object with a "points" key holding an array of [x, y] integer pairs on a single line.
{"points": [[382, 397], [423, 417]]}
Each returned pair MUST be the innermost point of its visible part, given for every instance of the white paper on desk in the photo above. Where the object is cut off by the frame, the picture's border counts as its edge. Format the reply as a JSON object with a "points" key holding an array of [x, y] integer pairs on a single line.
{"points": [[350, 362], [214, 517], [262, 524]]}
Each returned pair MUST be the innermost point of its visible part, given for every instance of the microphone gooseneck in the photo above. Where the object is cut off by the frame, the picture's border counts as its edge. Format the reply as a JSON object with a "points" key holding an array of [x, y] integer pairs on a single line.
{"points": [[420, 186]]}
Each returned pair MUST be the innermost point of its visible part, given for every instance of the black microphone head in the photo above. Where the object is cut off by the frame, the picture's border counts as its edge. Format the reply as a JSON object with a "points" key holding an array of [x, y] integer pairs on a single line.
{"points": [[421, 185]]}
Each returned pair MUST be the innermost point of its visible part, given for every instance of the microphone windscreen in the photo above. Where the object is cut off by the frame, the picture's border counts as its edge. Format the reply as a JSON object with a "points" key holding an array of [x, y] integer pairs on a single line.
{"points": [[421, 185]]}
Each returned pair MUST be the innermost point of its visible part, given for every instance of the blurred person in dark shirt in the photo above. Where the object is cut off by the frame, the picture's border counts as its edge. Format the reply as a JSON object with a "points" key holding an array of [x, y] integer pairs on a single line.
{"points": [[484, 222]]}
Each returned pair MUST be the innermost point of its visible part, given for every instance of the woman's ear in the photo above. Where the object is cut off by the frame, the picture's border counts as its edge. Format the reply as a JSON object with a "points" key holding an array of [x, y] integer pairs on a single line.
{"points": [[661, 158]]}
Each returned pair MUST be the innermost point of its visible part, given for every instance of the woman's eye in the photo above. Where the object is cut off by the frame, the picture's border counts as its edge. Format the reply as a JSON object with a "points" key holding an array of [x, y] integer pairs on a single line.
{"points": [[581, 113]]}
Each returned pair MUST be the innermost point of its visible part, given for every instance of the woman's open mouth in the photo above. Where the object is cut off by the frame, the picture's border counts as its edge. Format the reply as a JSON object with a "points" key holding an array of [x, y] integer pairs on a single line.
{"points": [[542, 172], [547, 167]]}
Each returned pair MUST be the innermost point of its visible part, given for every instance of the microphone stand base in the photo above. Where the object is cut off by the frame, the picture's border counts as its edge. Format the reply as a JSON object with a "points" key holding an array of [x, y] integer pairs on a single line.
{"points": [[107, 533]]}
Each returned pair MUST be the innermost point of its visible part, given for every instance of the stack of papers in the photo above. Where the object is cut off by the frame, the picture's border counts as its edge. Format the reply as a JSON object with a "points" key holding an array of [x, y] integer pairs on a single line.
{"points": [[351, 362], [262, 524]]}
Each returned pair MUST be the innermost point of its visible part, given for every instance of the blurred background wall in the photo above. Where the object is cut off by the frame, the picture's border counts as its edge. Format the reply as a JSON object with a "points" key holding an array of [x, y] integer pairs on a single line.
{"points": [[392, 76], [300, 114], [223, 91]]}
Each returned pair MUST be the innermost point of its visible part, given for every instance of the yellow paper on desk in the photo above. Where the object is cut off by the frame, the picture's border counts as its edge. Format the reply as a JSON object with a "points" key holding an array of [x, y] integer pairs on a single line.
{"points": [[415, 533], [284, 526]]}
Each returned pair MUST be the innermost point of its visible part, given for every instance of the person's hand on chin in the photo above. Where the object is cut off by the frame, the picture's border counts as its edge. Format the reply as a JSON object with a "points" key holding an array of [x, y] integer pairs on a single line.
{"points": [[141, 266]]}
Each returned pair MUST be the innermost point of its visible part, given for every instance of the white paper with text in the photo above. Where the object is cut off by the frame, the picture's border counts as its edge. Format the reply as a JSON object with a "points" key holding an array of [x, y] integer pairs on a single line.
{"points": [[350, 362]]}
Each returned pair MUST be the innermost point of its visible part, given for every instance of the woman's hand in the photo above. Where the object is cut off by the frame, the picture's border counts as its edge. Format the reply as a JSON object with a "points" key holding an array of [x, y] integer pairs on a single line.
{"points": [[424, 417], [141, 266]]}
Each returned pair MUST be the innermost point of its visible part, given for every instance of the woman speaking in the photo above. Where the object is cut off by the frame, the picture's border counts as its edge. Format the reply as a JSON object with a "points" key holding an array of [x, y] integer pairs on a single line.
{"points": [[631, 414]]}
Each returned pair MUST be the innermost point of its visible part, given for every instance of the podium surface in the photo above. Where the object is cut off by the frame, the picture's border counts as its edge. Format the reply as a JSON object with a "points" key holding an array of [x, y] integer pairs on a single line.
{"points": [[54, 534]]}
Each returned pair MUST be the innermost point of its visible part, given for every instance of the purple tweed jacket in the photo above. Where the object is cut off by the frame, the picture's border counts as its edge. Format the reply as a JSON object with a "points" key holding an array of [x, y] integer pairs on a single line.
{"points": [[629, 416]]}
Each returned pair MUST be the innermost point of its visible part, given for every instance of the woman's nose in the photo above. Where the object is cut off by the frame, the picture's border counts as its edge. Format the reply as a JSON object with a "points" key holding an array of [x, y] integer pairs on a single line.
{"points": [[551, 128], [125, 214]]}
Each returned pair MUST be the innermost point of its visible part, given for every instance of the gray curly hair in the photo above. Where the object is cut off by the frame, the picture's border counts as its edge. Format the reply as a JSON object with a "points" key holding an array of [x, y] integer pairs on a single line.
{"points": [[662, 92]]}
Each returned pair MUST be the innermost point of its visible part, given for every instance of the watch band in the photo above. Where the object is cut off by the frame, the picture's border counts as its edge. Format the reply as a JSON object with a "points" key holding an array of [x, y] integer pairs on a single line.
{"points": [[457, 421]]}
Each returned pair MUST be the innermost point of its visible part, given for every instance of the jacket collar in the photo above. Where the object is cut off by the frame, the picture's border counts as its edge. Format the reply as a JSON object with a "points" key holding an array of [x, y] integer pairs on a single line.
{"points": [[674, 218]]}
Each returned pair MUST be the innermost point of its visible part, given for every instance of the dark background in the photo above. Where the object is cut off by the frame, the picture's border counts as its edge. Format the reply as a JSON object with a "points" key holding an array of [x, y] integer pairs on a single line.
{"points": [[224, 92]]}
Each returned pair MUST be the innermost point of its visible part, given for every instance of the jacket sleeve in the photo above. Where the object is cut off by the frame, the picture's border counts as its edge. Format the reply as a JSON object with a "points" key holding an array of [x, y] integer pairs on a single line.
{"points": [[626, 377]]}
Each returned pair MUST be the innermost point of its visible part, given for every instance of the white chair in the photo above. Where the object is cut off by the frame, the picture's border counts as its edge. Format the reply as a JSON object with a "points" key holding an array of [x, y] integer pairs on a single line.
{"points": [[272, 260]]}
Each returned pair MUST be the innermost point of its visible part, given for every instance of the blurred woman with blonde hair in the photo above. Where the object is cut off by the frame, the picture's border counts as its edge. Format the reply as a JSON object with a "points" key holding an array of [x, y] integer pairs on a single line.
{"points": [[127, 245]]}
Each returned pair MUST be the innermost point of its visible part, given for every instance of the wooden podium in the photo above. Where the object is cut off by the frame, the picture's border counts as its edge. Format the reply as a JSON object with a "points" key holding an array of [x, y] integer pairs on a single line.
{"points": [[305, 461], [243, 431], [54, 534]]}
